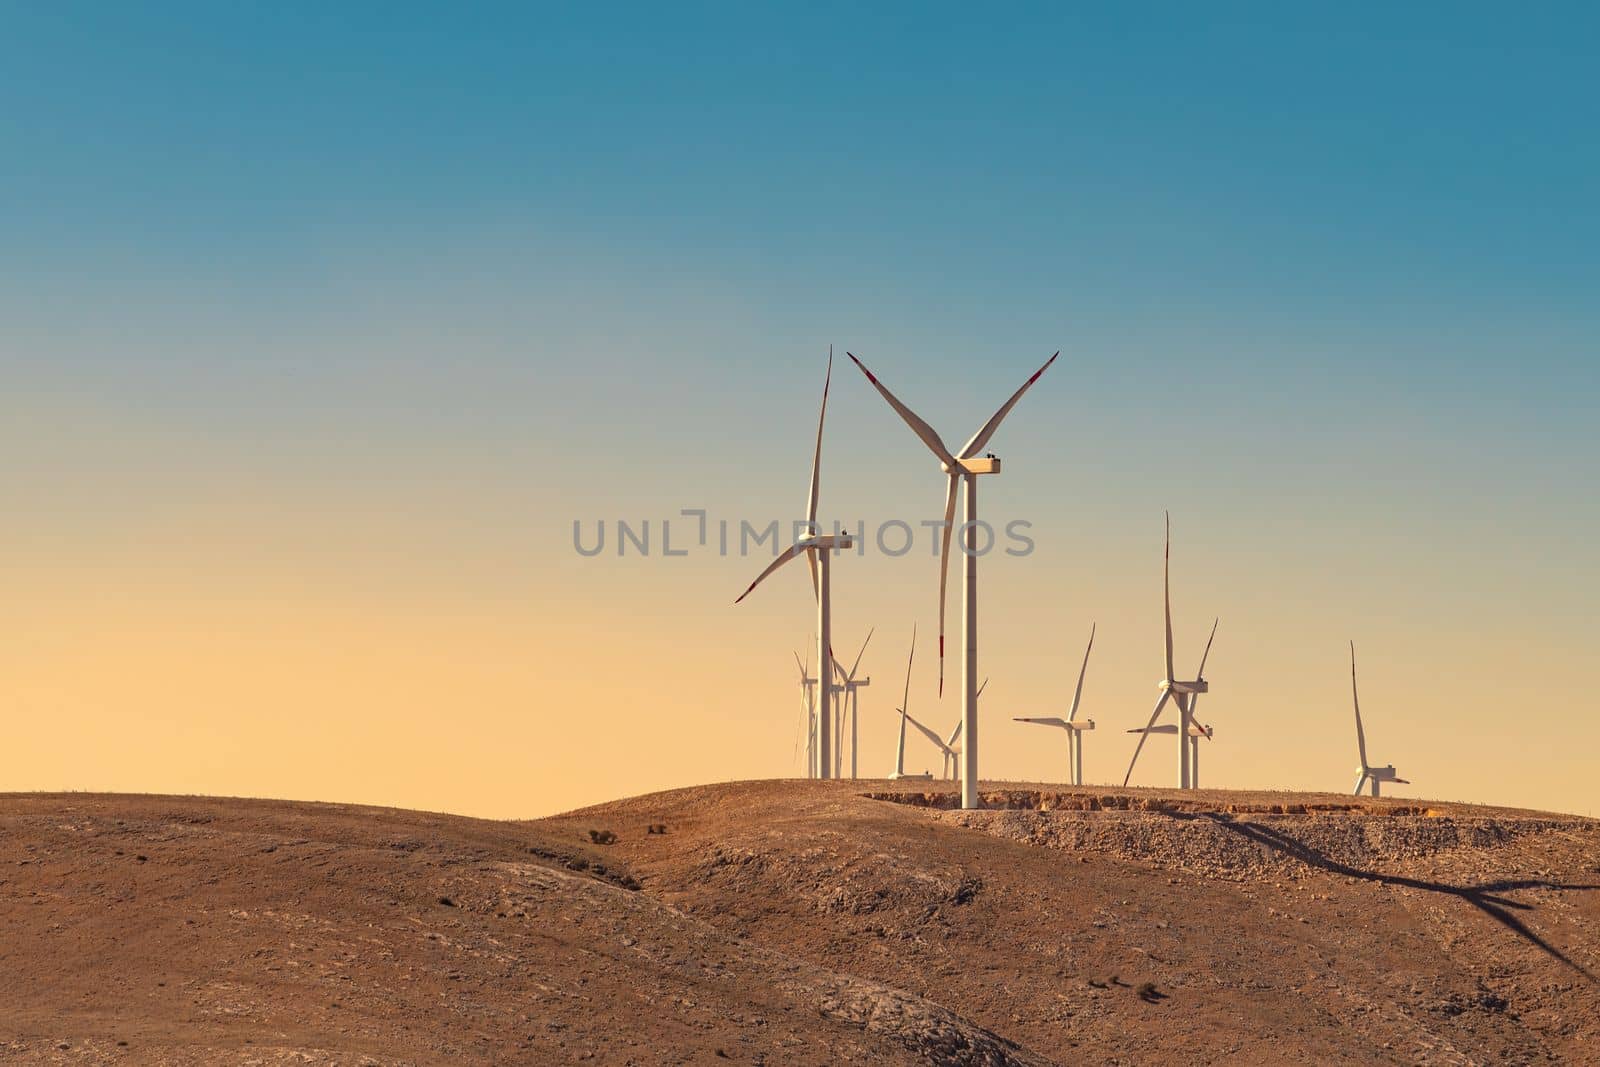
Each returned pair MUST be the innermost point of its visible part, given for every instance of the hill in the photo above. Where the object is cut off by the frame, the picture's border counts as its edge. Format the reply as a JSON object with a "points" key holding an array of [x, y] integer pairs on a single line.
{"points": [[800, 922]]}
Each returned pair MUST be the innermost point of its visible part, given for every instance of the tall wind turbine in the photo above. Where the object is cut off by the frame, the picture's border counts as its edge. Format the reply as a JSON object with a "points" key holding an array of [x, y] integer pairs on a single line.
{"points": [[808, 705], [1070, 724], [963, 469], [850, 703], [905, 717], [1368, 773], [817, 548], [1180, 693]]}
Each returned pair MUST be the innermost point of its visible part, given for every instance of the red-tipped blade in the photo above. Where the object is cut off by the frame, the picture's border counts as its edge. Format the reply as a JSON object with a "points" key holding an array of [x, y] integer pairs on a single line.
{"points": [[981, 438], [918, 427]]}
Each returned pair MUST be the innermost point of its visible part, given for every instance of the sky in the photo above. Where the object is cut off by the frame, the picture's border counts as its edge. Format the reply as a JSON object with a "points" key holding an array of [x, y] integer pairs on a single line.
{"points": [[321, 327]]}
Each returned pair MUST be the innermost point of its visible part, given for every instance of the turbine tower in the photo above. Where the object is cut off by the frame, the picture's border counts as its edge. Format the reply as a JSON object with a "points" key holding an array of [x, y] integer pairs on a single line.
{"points": [[848, 706], [1367, 772], [1070, 724], [817, 548], [905, 717], [1182, 694], [962, 469]]}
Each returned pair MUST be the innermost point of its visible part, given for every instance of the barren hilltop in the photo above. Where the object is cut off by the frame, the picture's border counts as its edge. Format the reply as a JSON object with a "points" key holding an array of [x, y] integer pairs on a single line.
{"points": [[797, 922]]}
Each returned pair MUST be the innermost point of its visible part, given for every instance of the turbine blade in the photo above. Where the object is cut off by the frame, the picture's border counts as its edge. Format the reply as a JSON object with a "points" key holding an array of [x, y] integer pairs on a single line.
{"points": [[905, 701], [929, 734], [802, 666], [857, 663], [1201, 673], [1355, 698], [783, 557], [816, 577], [1361, 780], [816, 457], [1166, 592], [918, 427], [944, 566], [1165, 693], [975, 444], [1078, 693]]}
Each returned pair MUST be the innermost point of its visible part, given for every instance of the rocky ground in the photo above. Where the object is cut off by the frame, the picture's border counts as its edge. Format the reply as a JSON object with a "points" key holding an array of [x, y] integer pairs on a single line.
{"points": [[800, 922]]}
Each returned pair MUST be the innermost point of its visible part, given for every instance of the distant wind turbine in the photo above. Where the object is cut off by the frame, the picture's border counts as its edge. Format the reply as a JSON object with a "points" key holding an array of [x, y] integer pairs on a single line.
{"points": [[808, 706], [817, 548], [1368, 773], [849, 705], [1070, 724], [1180, 693], [962, 468], [905, 717], [953, 747]]}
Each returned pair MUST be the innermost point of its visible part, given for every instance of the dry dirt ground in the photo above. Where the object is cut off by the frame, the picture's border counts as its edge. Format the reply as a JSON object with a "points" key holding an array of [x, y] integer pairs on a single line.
{"points": [[801, 923]]}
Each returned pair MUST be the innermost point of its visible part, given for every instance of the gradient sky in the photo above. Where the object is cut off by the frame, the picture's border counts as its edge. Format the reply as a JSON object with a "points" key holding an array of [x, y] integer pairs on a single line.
{"points": [[320, 326]]}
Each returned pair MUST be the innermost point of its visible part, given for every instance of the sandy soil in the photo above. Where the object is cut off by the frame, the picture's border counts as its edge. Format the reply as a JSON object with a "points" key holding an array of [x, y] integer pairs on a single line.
{"points": [[803, 923]]}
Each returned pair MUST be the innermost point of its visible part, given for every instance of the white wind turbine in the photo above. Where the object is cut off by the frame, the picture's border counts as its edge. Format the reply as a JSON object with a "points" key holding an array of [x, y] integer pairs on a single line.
{"points": [[849, 705], [1197, 732], [817, 548], [808, 705], [1070, 724], [905, 717], [953, 747], [963, 469], [1368, 773], [1180, 693]]}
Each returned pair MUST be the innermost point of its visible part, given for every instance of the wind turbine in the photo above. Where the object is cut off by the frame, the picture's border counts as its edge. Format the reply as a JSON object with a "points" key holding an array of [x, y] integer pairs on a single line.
{"points": [[849, 706], [944, 749], [905, 717], [953, 747], [1180, 693], [963, 469], [808, 704], [817, 548], [1368, 773], [1070, 724], [1197, 732]]}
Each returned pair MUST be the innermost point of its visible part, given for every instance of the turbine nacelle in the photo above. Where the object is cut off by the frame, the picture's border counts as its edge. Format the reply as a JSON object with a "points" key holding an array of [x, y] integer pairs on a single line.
{"points": [[1199, 685], [1087, 724], [976, 465], [836, 542]]}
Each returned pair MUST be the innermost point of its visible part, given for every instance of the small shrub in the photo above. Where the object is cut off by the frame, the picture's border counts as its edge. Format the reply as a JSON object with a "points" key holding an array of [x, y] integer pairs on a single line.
{"points": [[602, 837]]}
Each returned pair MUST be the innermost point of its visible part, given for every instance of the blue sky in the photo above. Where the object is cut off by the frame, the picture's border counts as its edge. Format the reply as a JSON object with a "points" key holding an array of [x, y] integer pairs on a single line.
{"points": [[1324, 275]]}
